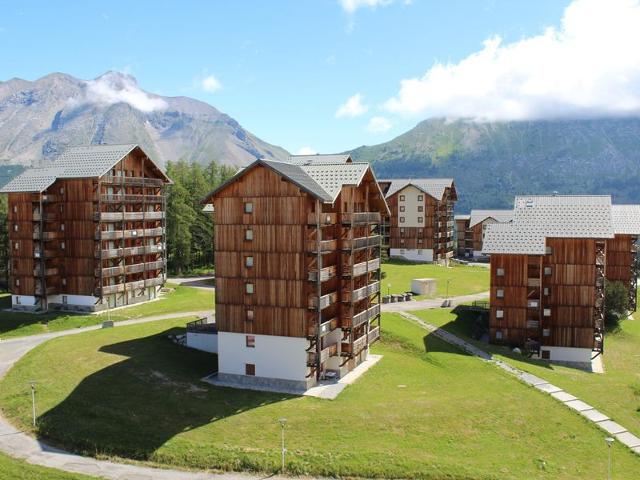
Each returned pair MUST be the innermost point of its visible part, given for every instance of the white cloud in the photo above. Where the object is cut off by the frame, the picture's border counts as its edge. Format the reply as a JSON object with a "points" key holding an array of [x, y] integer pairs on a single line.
{"points": [[118, 87], [306, 151], [210, 84], [351, 6], [379, 125], [353, 107], [589, 66]]}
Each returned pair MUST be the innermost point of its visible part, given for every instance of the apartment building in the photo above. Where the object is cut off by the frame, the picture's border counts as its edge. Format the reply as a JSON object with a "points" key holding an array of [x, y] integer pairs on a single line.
{"points": [[88, 231], [470, 230], [622, 250]]}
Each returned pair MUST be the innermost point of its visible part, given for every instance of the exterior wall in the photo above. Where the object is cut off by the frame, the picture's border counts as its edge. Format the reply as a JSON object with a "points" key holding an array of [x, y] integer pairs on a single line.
{"points": [[413, 255], [577, 356], [207, 342], [621, 264], [464, 247]]}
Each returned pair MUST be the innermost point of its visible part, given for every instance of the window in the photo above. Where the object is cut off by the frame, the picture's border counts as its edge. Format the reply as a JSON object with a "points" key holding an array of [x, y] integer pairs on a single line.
{"points": [[548, 250], [547, 270], [17, 299], [402, 241], [546, 291], [401, 219], [546, 354], [420, 208], [249, 315], [498, 335], [546, 332], [61, 208], [420, 219], [64, 299], [499, 272], [500, 293], [250, 341], [419, 240], [249, 369], [62, 245], [402, 208], [15, 227], [248, 234], [402, 198], [248, 261], [499, 313], [420, 233], [402, 231], [421, 198], [61, 190], [17, 282], [62, 227], [248, 207], [15, 209], [546, 312], [419, 252], [16, 246], [64, 281], [248, 288]]}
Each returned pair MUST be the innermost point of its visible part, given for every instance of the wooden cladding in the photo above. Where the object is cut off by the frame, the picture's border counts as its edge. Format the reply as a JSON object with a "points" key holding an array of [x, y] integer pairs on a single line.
{"points": [[266, 238]]}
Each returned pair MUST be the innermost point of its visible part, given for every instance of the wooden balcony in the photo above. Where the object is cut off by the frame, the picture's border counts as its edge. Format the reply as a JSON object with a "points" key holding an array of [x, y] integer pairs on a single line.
{"points": [[129, 216], [325, 219], [46, 272], [154, 282], [327, 273], [360, 268], [130, 198], [360, 318], [360, 218], [133, 233], [325, 354], [46, 291], [325, 246], [325, 300], [361, 242], [325, 327], [360, 293], [356, 347], [110, 271], [132, 181], [374, 335]]}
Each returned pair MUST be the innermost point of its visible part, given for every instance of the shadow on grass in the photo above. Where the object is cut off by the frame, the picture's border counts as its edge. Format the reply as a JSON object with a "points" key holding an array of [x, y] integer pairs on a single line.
{"points": [[133, 407]]}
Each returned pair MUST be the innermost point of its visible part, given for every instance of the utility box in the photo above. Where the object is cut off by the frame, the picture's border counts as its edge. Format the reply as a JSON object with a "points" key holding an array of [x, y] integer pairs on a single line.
{"points": [[423, 286]]}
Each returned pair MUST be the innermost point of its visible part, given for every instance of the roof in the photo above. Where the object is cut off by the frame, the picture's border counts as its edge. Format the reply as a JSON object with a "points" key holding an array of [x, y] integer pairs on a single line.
{"points": [[86, 161], [462, 217], [317, 159], [323, 181], [434, 187], [536, 218], [626, 219], [500, 216]]}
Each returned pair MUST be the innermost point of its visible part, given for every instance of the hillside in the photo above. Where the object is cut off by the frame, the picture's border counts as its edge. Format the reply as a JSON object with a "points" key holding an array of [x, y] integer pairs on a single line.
{"points": [[492, 162], [38, 119]]}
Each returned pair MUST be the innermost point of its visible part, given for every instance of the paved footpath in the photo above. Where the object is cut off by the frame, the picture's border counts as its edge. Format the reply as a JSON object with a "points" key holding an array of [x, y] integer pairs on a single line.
{"points": [[432, 303], [596, 417]]}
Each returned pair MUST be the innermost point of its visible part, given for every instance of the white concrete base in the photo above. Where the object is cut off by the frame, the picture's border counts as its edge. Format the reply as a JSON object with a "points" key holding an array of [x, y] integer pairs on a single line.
{"points": [[567, 354], [207, 342], [413, 255]]}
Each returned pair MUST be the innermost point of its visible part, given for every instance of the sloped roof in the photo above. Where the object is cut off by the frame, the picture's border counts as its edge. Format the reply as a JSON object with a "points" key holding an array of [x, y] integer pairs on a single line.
{"points": [[86, 161], [626, 219], [500, 216], [333, 177], [462, 217], [536, 218], [319, 159], [434, 187]]}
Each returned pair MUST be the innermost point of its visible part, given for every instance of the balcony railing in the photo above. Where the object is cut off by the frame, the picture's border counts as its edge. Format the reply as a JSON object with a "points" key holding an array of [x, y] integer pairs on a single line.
{"points": [[325, 354], [361, 268], [134, 233], [325, 245], [46, 272], [137, 181], [326, 273], [129, 216], [129, 251], [110, 271], [361, 242], [360, 218], [154, 282], [46, 291], [325, 219], [356, 347], [360, 318], [325, 301], [130, 198], [360, 293], [374, 335]]}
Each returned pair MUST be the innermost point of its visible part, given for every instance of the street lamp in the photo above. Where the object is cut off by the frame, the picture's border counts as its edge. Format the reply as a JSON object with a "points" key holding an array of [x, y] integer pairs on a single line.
{"points": [[283, 422], [33, 384], [609, 441], [388, 289]]}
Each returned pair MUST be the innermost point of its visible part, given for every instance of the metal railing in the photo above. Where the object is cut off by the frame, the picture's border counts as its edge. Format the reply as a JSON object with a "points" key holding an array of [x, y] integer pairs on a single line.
{"points": [[137, 181], [359, 218], [360, 293], [361, 268], [361, 242]]}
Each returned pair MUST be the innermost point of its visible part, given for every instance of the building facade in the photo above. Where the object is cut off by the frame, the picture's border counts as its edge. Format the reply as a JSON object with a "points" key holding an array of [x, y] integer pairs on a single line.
{"points": [[87, 232], [548, 270], [421, 224], [297, 249], [622, 250], [470, 230]]}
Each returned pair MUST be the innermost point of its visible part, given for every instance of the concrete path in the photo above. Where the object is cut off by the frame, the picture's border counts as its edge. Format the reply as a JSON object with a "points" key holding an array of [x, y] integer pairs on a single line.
{"points": [[590, 413], [432, 303], [204, 283]]}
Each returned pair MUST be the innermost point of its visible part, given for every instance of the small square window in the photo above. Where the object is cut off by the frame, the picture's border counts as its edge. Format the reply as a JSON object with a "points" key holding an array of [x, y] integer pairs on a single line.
{"points": [[401, 219], [248, 207], [249, 369], [546, 291], [420, 219], [62, 227], [499, 313], [500, 293], [248, 288], [61, 190], [402, 198], [15, 209], [250, 315], [547, 270], [499, 272], [248, 234], [419, 240], [420, 208], [17, 282], [421, 198], [61, 208], [64, 299], [62, 245], [548, 250], [498, 335], [248, 261], [402, 208], [402, 231], [546, 312], [419, 252], [546, 332], [15, 227], [250, 341], [16, 246], [402, 241], [17, 299], [546, 354], [420, 232], [64, 281]]}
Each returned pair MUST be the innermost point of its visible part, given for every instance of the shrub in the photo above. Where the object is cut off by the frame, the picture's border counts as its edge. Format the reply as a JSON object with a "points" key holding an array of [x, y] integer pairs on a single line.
{"points": [[616, 304]]}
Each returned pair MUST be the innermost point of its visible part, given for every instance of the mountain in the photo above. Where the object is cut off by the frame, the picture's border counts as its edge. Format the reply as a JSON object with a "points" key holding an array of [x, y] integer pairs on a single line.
{"points": [[38, 119], [492, 162]]}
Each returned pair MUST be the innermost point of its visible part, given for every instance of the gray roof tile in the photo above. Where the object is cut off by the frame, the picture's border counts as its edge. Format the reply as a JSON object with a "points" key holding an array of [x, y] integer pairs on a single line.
{"points": [[626, 219], [500, 216], [318, 159], [434, 187]]}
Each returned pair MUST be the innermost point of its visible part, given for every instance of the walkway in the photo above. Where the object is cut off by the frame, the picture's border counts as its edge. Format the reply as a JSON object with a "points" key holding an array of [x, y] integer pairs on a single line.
{"points": [[203, 283], [432, 303], [596, 417]]}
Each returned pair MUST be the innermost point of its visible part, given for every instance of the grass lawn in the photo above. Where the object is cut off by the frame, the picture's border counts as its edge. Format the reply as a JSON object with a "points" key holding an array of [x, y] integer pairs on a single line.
{"points": [[616, 392], [464, 280], [20, 470], [18, 324], [426, 410]]}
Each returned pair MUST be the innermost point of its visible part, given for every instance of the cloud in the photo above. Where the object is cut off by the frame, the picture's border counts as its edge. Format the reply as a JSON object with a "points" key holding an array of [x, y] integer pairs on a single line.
{"points": [[210, 84], [118, 87], [353, 107], [306, 151], [587, 67], [351, 6], [379, 125]]}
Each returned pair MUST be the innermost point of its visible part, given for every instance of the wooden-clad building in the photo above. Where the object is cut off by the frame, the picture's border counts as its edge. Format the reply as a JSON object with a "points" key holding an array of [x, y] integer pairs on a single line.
{"points": [[622, 250], [87, 231], [420, 226], [547, 276], [470, 230], [297, 249]]}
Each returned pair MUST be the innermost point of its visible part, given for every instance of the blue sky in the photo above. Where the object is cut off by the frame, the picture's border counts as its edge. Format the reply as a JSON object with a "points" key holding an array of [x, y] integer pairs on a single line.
{"points": [[281, 68]]}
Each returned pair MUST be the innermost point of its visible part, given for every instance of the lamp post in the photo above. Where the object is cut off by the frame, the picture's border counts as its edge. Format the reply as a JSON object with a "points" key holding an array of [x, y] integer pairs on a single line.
{"points": [[283, 422], [388, 289], [609, 441], [33, 384]]}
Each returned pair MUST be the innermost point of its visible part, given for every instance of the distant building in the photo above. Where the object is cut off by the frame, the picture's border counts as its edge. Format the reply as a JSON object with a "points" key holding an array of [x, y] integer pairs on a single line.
{"points": [[297, 249], [88, 231], [470, 230], [622, 250], [548, 274], [420, 226]]}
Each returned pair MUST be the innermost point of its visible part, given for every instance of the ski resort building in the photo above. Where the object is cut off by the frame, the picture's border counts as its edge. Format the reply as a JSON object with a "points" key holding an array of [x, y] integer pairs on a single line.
{"points": [[87, 232], [297, 249], [470, 230], [622, 250], [421, 223]]}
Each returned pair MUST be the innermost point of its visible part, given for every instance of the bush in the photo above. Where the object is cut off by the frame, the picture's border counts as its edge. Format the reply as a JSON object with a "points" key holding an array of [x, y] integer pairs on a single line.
{"points": [[616, 306]]}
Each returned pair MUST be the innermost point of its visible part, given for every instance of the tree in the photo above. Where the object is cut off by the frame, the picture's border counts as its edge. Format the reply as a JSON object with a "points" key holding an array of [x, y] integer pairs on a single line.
{"points": [[616, 303]]}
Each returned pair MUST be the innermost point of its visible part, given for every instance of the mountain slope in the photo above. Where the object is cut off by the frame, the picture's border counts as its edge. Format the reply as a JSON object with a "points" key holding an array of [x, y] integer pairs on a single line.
{"points": [[38, 119], [492, 162]]}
